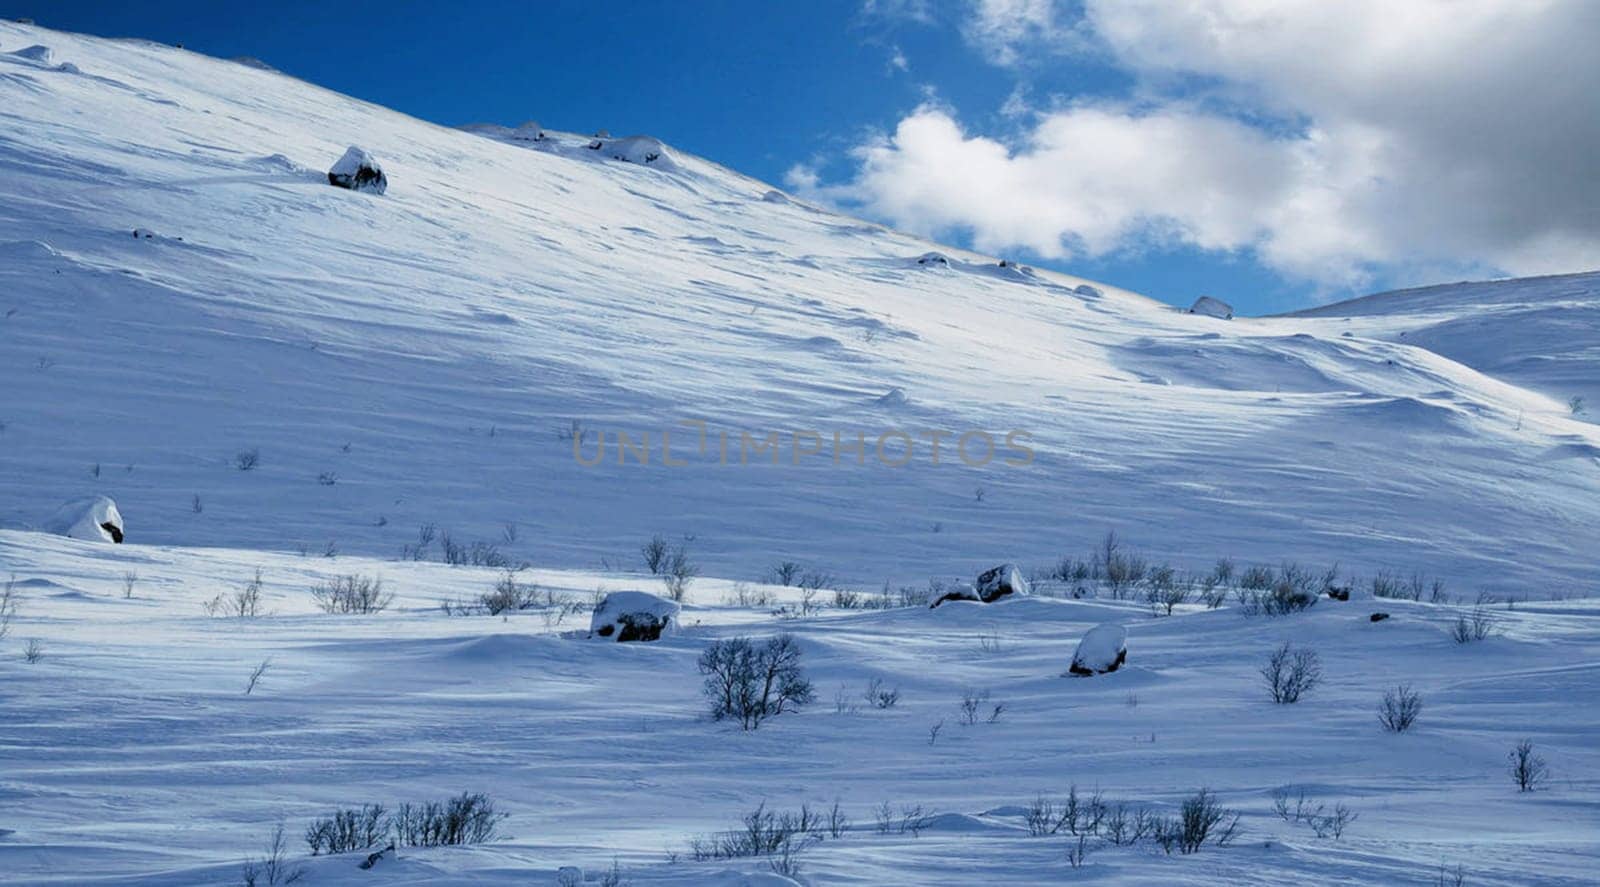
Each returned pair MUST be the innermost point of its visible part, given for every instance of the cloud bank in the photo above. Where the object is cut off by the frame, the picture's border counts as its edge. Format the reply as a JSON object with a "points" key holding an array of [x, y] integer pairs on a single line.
{"points": [[1331, 141]]}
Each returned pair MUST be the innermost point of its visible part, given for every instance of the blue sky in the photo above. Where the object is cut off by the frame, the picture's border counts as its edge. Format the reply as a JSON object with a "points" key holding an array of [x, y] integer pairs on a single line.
{"points": [[1060, 131]]}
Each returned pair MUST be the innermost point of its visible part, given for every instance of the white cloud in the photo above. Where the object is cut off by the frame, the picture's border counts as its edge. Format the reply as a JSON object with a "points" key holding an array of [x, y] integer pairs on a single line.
{"points": [[898, 60], [1438, 133]]}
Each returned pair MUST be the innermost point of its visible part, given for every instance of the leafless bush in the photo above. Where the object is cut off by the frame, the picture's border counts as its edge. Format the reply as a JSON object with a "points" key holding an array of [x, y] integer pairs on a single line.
{"points": [[1076, 815], [974, 705], [1323, 822], [1122, 827], [475, 554], [416, 551], [846, 599], [836, 822], [751, 682], [351, 594], [1399, 709], [655, 553], [8, 605], [1528, 770], [1449, 877], [1290, 673], [1163, 590], [745, 596], [327, 478], [1121, 569], [1256, 578], [509, 595], [346, 831], [878, 695], [468, 818], [256, 675], [934, 730], [242, 604], [1200, 819], [274, 868], [33, 651], [815, 580], [1474, 625], [911, 596], [129, 580], [780, 837], [1289, 590], [1213, 593], [245, 460], [677, 571], [785, 573]]}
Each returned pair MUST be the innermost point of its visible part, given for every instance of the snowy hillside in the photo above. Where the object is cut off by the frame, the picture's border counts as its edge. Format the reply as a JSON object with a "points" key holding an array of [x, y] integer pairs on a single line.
{"points": [[1540, 333], [423, 349], [279, 382]]}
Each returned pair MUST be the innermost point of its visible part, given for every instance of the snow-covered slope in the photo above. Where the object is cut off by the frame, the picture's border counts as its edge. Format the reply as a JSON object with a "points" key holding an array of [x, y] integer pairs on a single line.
{"points": [[1540, 333], [424, 349]]}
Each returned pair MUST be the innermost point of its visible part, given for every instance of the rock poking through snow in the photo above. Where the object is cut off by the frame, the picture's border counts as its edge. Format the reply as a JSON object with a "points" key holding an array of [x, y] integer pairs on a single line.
{"points": [[529, 131], [997, 582], [642, 150], [358, 171], [633, 616], [1212, 308], [962, 592], [1104, 649], [94, 518]]}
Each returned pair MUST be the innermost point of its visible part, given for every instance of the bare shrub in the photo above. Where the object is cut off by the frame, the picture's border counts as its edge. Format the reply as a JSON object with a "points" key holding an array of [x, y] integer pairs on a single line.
{"points": [[327, 478], [677, 571], [1076, 815], [256, 675], [1474, 625], [351, 594], [1323, 822], [1120, 569], [8, 605], [880, 696], [655, 553], [129, 580], [751, 682], [475, 554], [242, 604], [1256, 578], [246, 460], [911, 596], [273, 869], [1164, 591], [1528, 770], [416, 551], [785, 572], [973, 704], [1400, 708], [346, 831], [1122, 827], [846, 599], [509, 595], [1290, 673], [468, 818], [934, 730], [1200, 819], [33, 651], [780, 837], [745, 596]]}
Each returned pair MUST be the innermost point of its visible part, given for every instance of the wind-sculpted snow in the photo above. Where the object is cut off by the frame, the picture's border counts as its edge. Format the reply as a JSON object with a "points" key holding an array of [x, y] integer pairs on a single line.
{"points": [[420, 359]]}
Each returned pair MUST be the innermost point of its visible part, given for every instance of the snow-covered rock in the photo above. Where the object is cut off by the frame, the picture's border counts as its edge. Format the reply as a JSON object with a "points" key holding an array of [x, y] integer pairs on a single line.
{"points": [[529, 131], [933, 260], [775, 196], [35, 53], [643, 150], [1212, 308], [1102, 650], [997, 582], [961, 592], [358, 171], [94, 518], [633, 616]]}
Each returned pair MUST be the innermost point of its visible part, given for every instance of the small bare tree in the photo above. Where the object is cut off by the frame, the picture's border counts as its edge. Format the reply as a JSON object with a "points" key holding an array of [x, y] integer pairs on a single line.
{"points": [[355, 594], [677, 571], [1400, 708], [256, 675], [1290, 673], [1528, 770], [33, 652], [8, 606], [273, 869], [246, 460], [751, 682], [129, 580], [655, 553]]}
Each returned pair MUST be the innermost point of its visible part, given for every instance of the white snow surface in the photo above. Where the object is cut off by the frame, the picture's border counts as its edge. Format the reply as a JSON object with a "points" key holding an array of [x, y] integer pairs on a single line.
{"points": [[421, 359]]}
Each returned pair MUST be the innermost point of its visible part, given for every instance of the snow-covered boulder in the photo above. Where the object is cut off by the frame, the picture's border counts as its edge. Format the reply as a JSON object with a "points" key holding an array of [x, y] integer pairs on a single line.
{"points": [[358, 171], [962, 592], [36, 53], [94, 518], [1084, 289], [529, 131], [997, 582], [1102, 650], [933, 260], [777, 197], [633, 616], [643, 150], [1212, 308]]}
